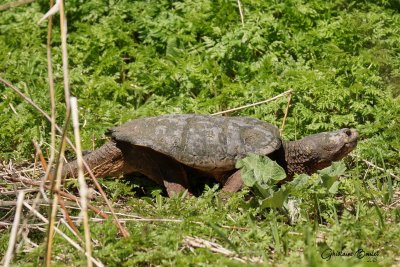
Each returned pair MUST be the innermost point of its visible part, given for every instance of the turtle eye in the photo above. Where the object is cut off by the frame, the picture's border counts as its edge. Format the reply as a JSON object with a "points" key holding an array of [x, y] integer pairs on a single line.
{"points": [[347, 131]]}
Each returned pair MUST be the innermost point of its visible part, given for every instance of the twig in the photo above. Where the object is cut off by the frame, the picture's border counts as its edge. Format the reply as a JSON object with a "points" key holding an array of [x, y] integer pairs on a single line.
{"points": [[121, 229], [76, 234], [286, 112], [72, 242], [241, 12], [63, 26], [32, 190], [14, 229], [15, 4], [32, 225], [375, 166], [67, 217], [64, 194], [196, 242], [52, 100], [55, 188], [52, 11], [27, 99], [40, 155], [45, 166], [254, 104], [57, 184], [141, 219], [13, 109], [82, 184], [6, 203]]}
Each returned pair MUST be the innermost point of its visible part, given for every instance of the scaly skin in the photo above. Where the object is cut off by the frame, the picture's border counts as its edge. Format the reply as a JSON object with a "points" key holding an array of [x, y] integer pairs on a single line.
{"points": [[104, 161]]}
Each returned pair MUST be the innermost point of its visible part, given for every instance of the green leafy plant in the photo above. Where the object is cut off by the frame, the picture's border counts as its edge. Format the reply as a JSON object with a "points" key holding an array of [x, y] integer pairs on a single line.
{"points": [[263, 175]]}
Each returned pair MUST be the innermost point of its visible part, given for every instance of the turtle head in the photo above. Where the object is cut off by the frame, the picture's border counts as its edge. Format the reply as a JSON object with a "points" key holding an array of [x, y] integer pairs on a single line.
{"points": [[317, 151], [331, 146]]}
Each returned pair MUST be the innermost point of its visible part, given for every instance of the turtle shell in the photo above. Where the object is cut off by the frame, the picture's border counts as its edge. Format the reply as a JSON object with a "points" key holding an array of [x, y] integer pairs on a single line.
{"points": [[208, 143]]}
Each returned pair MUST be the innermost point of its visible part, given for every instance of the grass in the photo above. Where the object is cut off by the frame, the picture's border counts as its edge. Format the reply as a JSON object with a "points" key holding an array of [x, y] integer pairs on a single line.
{"points": [[133, 59]]}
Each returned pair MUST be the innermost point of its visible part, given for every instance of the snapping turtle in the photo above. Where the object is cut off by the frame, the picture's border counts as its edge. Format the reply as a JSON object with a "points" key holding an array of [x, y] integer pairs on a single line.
{"points": [[168, 147]]}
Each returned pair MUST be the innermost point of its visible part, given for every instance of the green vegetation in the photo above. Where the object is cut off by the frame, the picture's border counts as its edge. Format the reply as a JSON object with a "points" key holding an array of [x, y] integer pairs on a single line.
{"points": [[130, 59]]}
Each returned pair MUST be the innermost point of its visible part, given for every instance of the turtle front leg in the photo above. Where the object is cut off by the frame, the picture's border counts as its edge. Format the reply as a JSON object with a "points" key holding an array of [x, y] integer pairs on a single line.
{"points": [[234, 182], [158, 167], [174, 178]]}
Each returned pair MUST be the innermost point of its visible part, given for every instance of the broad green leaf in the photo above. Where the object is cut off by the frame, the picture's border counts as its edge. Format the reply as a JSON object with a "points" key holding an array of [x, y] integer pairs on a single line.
{"points": [[263, 191], [299, 181], [327, 181], [334, 188], [261, 169], [246, 171], [276, 200], [262, 174], [336, 169], [329, 175]]}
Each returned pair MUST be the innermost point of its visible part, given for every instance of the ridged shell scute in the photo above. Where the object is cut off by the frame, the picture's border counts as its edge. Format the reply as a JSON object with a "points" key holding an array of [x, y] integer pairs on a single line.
{"points": [[205, 142]]}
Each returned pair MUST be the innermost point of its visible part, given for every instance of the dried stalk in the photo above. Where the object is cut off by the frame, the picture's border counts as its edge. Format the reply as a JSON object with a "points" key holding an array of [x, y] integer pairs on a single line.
{"points": [[40, 155], [67, 217], [27, 99], [63, 26], [52, 99], [82, 184], [61, 202], [55, 187], [369, 163], [45, 166], [286, 112], [57, 184], [196, 242], [13, 203], [15, 4], [121, 229], [32, 225], [14, 230], [72, 242], [141, 219], [240, 12], [52, 11], [61, 193], [254, 104], [75, 233], [8, 193]]}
